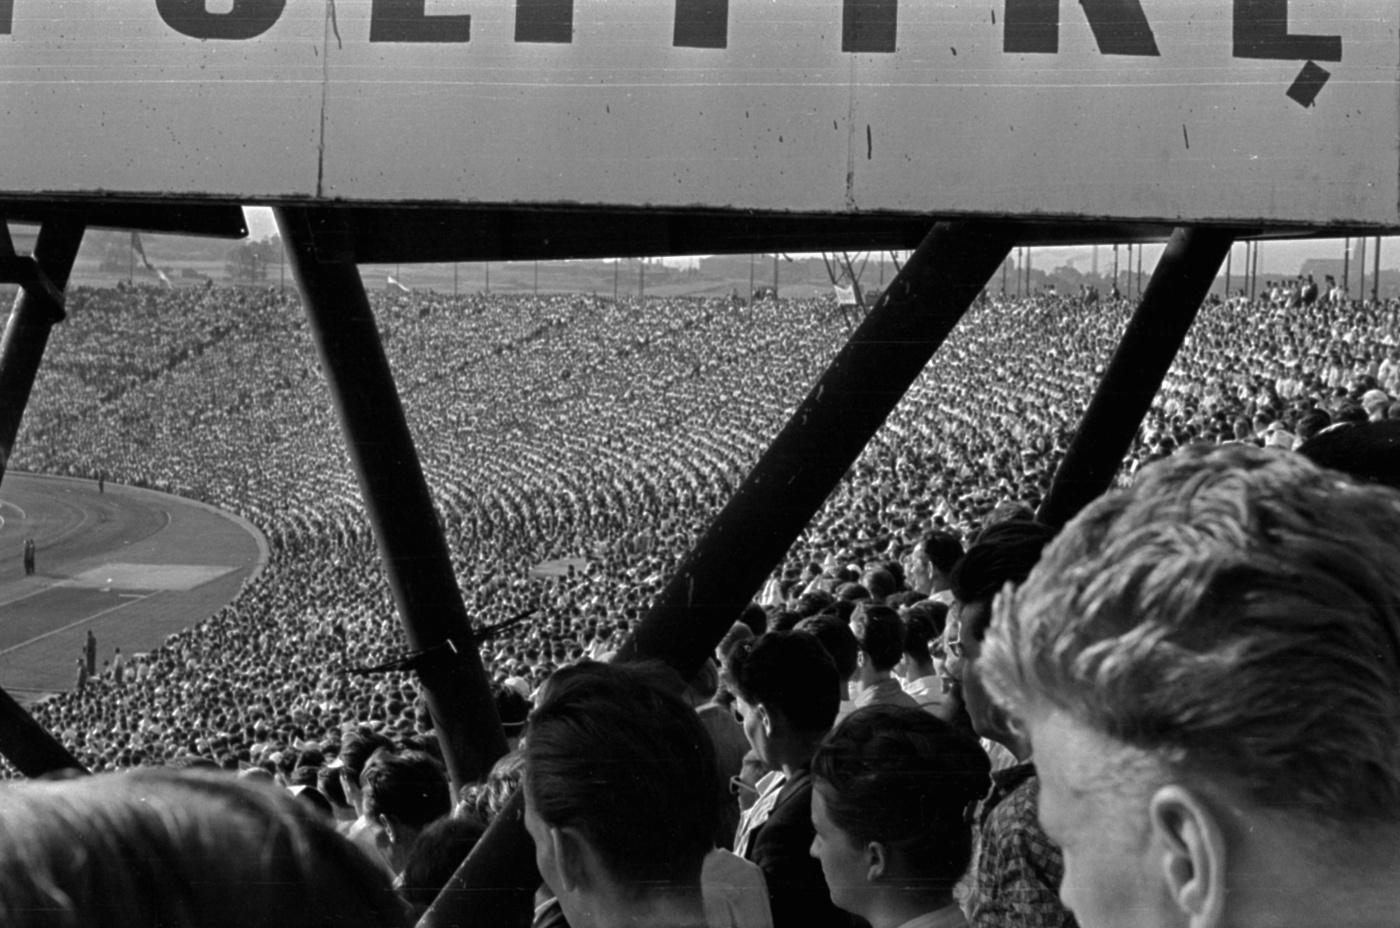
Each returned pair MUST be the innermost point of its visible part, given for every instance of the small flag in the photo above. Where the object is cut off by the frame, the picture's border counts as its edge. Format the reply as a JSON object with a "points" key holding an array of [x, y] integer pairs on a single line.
{"points": [[391, 283]]}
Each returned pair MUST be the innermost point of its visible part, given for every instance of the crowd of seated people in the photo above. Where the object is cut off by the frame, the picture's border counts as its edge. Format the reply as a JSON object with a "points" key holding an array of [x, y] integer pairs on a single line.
{"points": [[1202, 669], [576, 448], [594, 440]]}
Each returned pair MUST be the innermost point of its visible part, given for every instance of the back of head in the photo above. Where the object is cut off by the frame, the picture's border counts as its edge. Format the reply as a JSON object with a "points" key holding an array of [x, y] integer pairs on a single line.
{"points": [[156, 847], [1004, 553], [943, 549], [411, 787], [357, 747], [1368, 451], [880, 582], [880, 633], [838, 640], [1236, 616], [901, 777], [788, 671], [615, 752], [436, 855], [923, 622]]}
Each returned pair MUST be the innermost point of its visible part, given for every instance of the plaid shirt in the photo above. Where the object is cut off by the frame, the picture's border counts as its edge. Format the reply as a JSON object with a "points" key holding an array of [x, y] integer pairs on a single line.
{"points": [[1018, 868]]}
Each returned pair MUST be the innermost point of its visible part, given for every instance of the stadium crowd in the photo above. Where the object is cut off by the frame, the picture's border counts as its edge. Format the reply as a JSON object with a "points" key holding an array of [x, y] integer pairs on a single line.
{"points": [[576, 448]]}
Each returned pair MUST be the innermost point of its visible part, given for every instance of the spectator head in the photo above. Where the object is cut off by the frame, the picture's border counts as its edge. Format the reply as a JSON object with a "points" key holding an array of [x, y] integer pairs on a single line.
{"points": [[156, 847], [852, 592], [923, 624], [1208, 665], [838, 640], [621, 790], [702, 687], [1004, 553], [894, 789], [941, 550], [880, 635], [513, 709], [1368, 451], [329, 785], [403, 794], [482, 802], [1311, 423], [737, 632], [788, 694], [880, 582], [435, 857], [755, 618], [355, 750]]}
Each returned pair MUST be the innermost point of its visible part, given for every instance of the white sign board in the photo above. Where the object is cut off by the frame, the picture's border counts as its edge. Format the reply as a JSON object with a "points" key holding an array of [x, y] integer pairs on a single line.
{"points": [[1278, 111]]}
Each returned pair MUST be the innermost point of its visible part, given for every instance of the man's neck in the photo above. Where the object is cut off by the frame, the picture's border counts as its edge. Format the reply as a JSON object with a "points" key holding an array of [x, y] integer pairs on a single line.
{"points": [[895, 908], [675, 909], [867, 676]]}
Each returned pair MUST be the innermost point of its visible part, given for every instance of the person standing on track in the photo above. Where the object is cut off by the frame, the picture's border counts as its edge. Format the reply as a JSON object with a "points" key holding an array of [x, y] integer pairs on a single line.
{"points": [[28, 556], [90, 652], [82, 674]]}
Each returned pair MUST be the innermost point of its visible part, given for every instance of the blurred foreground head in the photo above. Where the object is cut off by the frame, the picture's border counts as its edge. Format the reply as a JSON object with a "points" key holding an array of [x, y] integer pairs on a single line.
{"points": [[622, 794], [1208, 665], [195, 849]]}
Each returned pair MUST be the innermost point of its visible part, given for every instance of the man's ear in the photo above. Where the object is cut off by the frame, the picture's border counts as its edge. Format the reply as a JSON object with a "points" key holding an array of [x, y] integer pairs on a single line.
{"points": [[877, 860], [387, 828], [575, 857], [765, 718], [1191, 840]]}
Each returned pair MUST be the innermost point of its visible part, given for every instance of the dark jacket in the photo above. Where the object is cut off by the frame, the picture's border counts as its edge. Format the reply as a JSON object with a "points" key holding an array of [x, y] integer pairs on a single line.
{"points": [[782, 849]]}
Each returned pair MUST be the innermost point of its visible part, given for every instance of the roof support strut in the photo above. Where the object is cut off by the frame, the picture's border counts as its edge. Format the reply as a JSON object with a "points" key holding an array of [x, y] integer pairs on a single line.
{"points": [[1154, 335], [38, 308], [785, 489], [405, 521]]}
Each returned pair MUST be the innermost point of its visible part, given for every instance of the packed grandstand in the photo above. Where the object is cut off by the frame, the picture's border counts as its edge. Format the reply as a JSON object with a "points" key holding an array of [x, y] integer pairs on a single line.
{"points": [[596, 436]]}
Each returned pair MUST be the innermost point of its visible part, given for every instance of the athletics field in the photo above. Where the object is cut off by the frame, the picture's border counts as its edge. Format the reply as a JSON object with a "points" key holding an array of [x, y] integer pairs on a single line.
{"points": [[131, 565]]}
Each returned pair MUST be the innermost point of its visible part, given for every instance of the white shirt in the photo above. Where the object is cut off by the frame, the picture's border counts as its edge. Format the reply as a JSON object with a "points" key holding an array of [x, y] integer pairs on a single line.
{"points": [[736, 894], [755, 815], [950, 916]]}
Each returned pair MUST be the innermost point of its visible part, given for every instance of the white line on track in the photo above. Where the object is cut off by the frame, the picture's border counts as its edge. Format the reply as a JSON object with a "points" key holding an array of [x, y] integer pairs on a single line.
{"points": [[43, 589], [82, 621]]}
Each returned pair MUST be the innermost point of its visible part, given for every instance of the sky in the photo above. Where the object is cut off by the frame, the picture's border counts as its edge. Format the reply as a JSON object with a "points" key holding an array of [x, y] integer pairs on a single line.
{"points": [[1274, 257]]}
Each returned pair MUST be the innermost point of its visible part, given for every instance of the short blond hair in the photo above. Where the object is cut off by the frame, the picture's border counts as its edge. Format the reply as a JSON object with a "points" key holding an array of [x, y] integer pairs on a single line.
{"points": [[1235, 614]]}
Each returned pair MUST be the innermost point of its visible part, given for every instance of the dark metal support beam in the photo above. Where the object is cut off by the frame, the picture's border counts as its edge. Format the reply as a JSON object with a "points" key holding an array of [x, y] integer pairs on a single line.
{"points": [[28, 745], [411, 541], [36, 311], [821, 441], [787, 486], [1154, 335], [23, 741]]}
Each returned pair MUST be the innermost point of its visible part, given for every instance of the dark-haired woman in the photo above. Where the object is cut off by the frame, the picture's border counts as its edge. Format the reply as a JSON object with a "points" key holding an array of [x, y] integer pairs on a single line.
{"points": [[893, 787]]}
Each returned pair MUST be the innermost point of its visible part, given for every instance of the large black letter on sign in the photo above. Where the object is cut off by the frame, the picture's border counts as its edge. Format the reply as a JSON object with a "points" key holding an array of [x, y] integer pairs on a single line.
{"points": [[1261, 31], [701, 24], [1120, 27], [868, 25], [1032, 27], [544, 21], [7, 16], [247, 20], [408, 21]]}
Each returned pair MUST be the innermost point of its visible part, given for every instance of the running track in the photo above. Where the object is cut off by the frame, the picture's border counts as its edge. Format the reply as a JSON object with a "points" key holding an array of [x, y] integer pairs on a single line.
{"points": [[131, 565]]}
